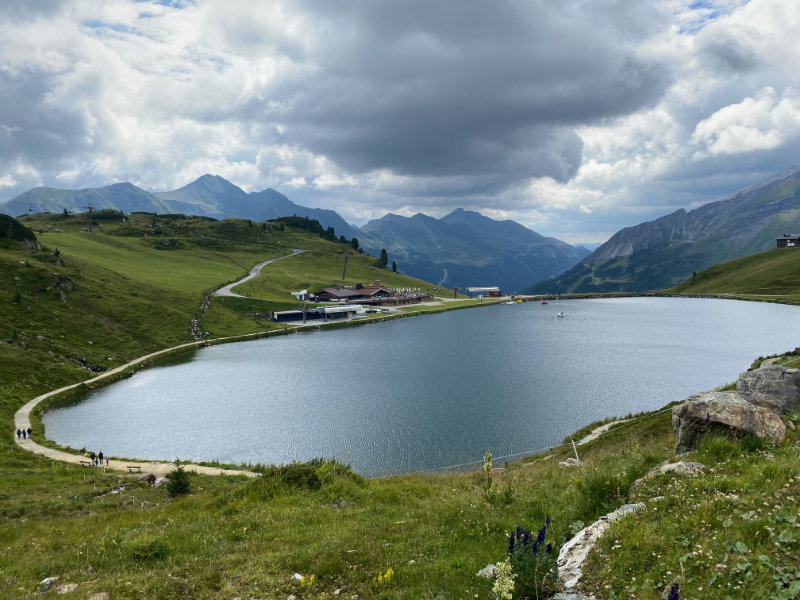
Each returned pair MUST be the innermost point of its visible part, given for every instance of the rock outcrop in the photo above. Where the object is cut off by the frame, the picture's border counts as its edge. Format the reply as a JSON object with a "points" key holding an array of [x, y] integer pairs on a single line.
{"points": [[574, 553], [772, 387], [679, 468], [761, 397]]}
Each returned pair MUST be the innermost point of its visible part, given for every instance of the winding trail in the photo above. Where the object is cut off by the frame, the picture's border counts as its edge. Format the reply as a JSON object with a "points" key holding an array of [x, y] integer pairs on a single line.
{"points": [[22, 418], [227, 290]]}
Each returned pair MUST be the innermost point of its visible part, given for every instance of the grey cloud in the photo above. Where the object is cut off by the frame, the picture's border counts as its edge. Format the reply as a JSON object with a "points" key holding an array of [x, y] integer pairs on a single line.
{"points": [[727, 53], [445, 88], [35, 132], [28, 9]]}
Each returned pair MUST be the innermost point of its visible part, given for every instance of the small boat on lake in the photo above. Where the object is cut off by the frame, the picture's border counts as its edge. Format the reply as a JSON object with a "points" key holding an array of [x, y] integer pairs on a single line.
{"points": [[561, 314], [544, 301]]}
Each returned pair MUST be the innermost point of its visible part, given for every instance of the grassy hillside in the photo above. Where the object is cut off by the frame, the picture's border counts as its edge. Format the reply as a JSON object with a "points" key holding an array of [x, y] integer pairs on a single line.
{"points": [[100, 299], [772, 276]]}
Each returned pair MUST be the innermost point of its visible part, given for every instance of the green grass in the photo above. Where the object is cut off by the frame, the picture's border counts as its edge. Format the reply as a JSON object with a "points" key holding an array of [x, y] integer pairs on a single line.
{"points": [[767, 276], [234, 537]]}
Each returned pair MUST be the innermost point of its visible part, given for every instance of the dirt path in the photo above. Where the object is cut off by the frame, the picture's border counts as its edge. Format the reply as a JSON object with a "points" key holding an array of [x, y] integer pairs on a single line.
{"points": [[227, 289], [596, 433], [22, 420]]}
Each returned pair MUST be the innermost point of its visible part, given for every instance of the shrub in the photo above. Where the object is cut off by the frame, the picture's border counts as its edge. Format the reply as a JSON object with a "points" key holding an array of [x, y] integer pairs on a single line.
{"points": [[147, 546]]}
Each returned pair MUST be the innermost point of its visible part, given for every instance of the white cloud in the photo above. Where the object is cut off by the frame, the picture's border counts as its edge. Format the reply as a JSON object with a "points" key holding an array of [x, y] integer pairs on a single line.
{"points": [[761, 123], [7, 181], [575, 119]]}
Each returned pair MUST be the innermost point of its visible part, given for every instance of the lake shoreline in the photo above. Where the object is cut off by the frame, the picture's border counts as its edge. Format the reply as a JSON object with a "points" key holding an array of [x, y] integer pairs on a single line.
{"points": [[211, 457]]}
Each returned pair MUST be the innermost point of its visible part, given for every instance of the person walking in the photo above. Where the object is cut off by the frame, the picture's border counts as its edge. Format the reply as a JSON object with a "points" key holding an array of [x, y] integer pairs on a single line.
{"points": [[19, 433], [23, 434], [29, 432]]}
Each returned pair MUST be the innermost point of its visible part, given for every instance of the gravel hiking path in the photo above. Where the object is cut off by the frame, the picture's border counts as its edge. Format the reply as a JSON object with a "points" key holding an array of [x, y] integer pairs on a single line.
{"points": [[227, 289]]}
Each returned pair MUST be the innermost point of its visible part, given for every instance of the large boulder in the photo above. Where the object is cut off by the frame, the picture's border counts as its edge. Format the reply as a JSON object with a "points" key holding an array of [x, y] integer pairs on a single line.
{"points": [[723, 411], [772, 387]]}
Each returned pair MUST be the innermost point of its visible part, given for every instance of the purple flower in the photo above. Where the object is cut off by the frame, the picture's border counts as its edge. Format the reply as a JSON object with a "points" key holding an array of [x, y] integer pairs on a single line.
{"points": [[540, 536], [511, 543], [547, 521], [549, 548], [674, 592]]}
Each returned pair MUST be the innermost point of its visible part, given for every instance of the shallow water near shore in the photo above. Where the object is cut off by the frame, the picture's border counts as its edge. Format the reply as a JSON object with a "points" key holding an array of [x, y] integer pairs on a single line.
{"points": [[432, 391]]}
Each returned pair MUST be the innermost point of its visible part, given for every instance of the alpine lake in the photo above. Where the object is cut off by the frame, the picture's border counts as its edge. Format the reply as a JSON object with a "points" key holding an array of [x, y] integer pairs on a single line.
{"points": [[429, 392]]}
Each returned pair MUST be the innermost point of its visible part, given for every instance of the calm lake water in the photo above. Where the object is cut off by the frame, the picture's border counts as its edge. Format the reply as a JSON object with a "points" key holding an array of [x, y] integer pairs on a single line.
{"points": [[431, 391]]}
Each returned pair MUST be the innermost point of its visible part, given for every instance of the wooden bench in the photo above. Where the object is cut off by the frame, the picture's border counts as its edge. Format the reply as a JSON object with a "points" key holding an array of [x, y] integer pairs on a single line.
{"points": [[86, 463], [134, 469]]}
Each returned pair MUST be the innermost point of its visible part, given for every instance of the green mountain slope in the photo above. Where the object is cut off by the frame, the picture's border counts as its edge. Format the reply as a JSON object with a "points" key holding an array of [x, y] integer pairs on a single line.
{"points": [[771, 276], [662, 253]]}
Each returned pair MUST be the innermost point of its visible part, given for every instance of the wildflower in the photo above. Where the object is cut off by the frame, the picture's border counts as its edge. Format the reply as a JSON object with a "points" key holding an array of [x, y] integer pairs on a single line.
{"points": [[549, 548], [540, 536], [674, 592], [708, 417], [547, 520], [504, 580], [511, 544]]}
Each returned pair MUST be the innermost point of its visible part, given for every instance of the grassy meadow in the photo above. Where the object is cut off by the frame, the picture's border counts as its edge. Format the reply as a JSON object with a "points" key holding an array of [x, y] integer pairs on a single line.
{"points": [[772, 276], [90, 301]]}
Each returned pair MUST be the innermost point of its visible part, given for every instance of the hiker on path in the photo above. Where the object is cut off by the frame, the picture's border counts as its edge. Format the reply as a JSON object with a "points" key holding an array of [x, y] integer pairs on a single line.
{"points": [[23, 434], [19, 433], [29, 432], [91, 457], [100, 456]]}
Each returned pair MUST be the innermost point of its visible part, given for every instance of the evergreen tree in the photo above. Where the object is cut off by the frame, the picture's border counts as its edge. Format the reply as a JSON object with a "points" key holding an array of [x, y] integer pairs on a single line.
{"points": [[178, 481], [394, 267], [384, 259], [354, 243]]}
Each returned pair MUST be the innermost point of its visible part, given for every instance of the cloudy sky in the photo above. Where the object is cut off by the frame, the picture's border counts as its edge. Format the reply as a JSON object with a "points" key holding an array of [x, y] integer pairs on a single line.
{"points": [[573, 117]]}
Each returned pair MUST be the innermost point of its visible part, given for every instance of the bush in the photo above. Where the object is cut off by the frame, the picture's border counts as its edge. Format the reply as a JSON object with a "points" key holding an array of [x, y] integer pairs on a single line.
{"points": [[147, 546]]}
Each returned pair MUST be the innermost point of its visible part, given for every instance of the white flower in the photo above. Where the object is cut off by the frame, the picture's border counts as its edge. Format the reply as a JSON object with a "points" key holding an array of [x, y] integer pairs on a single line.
{"points": [[504, 580]]}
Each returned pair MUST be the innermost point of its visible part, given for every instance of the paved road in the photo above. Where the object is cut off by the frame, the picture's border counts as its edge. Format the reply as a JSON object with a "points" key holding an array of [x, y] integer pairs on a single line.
{"points": [[226, 290]]}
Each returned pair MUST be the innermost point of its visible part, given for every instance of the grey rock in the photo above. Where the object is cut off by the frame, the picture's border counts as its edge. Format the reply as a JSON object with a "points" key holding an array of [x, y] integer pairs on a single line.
{"points": [[679, 468], [486, 572], [573, 554], [723, 410], [68, 588], [572, 596], [570, 462], [772, 386]]}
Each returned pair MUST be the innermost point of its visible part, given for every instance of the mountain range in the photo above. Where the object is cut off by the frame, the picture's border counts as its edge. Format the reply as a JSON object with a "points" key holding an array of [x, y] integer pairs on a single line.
{"points": [[461, 249], [467, 248], [661, 253]]}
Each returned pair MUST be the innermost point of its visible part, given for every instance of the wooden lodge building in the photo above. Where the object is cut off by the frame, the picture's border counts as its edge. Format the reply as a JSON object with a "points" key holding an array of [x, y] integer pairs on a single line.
{"points": [[371, 295], [348, 301], [789, 240]]}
